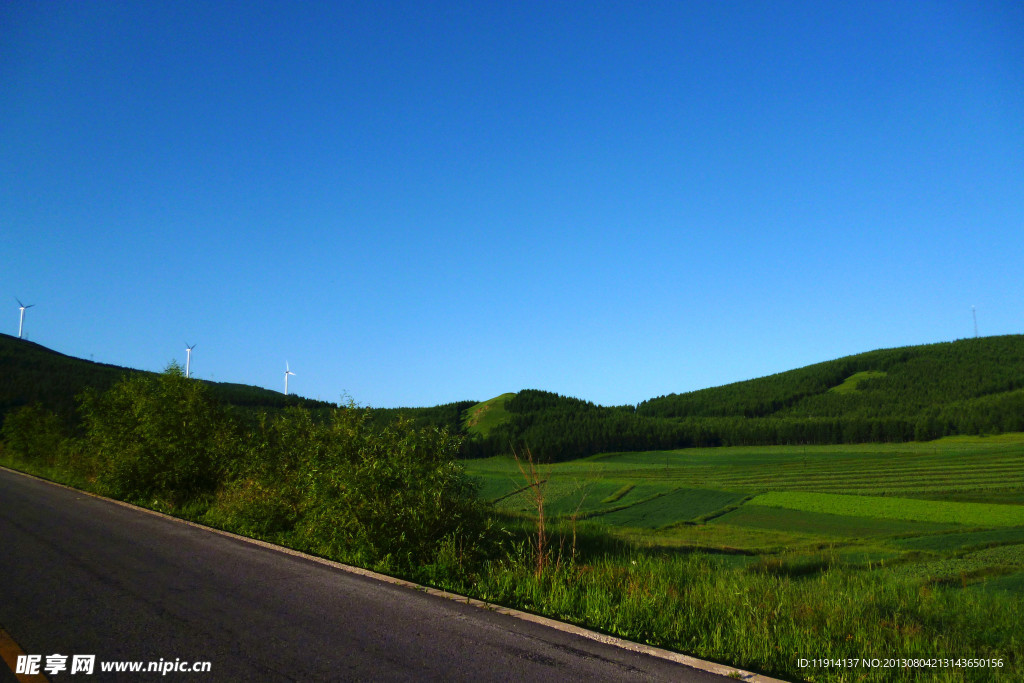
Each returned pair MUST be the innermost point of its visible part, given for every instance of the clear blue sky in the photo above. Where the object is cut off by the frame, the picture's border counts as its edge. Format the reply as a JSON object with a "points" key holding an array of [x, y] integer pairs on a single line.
{"points": [[423, 202]]}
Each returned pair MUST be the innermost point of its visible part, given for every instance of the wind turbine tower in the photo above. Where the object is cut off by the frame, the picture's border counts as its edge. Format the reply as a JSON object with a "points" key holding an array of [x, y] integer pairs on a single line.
{"points": [[286, 373], [975, 314], [21, 321], [188, 359]]}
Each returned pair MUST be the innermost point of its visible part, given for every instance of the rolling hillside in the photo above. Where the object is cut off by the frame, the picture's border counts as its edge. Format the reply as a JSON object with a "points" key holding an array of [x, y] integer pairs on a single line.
{"points": [[904, 382], [30, 373], [971, 386], [479, 419]]}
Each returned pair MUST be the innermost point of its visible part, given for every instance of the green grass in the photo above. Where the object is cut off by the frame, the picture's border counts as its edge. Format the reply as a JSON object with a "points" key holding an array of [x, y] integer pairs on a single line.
{"points": [[969, 539], [944, 484], [1012, 555], [969, 567], [908, 509], [494, 487], [1013, 583], [937, 469], [566, 496], [853, 381], [483, 417], [618, 494], [718, 538], [681, 505], [941, 518], [823, 523], [582, 498], [765, 616], [909, 548], [971, 468]]}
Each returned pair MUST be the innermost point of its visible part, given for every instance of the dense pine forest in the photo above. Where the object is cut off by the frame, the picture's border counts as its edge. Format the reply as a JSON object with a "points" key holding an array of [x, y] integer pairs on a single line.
{"points": [[971, 386]]}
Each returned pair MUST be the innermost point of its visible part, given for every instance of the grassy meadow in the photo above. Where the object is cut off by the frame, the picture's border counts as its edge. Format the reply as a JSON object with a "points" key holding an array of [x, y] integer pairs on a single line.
{"points": [[851, 551], [485, 416]]}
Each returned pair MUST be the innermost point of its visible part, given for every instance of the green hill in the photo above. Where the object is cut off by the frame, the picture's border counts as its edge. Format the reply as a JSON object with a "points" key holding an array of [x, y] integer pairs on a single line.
{"points": [[983, 375], [30, 373], [447, 415], [481, 418], [972, 386]]}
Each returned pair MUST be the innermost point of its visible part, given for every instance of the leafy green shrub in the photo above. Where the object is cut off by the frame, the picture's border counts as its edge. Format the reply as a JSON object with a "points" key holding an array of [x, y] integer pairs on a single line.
{"points": [[33, 434], [252, 508], [388, 497], [161, 438], [342, 486]]}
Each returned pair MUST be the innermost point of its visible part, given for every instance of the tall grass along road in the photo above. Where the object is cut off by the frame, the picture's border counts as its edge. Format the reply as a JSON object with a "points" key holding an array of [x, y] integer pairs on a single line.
{"points": [[84, 576]]}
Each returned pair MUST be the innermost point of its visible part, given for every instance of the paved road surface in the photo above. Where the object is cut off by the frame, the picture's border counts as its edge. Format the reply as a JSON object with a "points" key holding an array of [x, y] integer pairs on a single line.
{"points": [[80, 575]]}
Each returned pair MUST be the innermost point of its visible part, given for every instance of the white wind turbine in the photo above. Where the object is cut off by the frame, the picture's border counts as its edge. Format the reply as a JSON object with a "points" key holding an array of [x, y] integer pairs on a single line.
{"points": [[188, 359], [286, 373], [21, 321]]}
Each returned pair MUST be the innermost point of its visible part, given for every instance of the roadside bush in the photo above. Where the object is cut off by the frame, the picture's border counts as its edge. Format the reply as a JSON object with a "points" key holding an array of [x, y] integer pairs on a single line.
{"points": [[251, 507], [385, 497], [157, 439], [342, 486], [33, 434]]}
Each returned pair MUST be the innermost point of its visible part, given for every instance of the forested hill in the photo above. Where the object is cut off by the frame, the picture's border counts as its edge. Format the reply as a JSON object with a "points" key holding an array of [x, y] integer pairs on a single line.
{"points": [[970, 386], [30, 373], [905, 382]]}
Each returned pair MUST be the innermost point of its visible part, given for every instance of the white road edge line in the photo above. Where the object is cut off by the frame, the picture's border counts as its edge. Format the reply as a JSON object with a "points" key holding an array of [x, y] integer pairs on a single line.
{"points": [[686, 660]]}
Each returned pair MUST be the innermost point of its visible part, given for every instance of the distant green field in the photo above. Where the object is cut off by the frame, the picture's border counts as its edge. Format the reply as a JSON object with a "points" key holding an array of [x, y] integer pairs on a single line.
{"points": [[681, 505], [931, 509], [978, 468], [1011, 555], [981, 564], [565, 496], [906, 509], [972, 467], [1008, 582], [811, 522], [970, 539]]}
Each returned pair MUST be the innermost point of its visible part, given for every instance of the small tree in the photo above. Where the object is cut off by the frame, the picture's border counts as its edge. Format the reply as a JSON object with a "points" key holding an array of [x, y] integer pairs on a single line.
{"points": [[159, 437], [33, 434], [390, 497]]}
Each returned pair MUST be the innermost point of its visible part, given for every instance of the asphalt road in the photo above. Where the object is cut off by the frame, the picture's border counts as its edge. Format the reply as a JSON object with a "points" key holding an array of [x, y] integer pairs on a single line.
{"points": [[81, 575]]}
